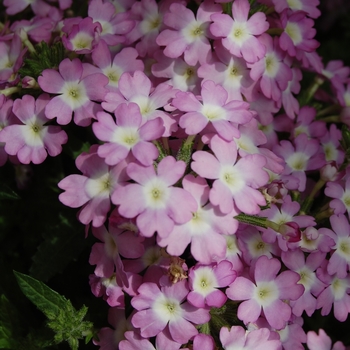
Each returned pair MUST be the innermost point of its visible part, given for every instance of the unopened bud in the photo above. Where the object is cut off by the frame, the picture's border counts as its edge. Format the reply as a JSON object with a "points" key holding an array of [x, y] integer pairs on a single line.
{"points": [[290, 231], [329, 172]]}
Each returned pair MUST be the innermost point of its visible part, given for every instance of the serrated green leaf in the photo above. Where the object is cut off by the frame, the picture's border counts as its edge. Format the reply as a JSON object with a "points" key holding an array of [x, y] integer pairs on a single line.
{"points": [[45, 57], [46, 300], [9, 325]]}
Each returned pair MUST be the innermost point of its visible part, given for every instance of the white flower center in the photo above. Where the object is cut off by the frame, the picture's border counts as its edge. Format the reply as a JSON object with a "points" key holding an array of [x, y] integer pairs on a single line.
{"points": [[128, 136], [266, 293], [99, 186], [239, 33], [204, 281], [294, 32], [295, 4], [298, 161], [82, 41], [33, 133], [74, 94], [213, 112], [271, 65], [232, 178], [167, 309], [156, 194]]}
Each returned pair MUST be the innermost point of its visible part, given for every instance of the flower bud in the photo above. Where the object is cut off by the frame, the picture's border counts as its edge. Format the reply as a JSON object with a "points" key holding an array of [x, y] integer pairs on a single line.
{"points": [[290, 231]]}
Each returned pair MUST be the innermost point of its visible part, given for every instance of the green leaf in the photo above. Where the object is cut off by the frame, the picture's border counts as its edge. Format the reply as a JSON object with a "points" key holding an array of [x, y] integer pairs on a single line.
{"points": [[70, 326], [67, 323], [62, 243], [7, 193], [9, 326], [45, 57], [46, 300]]}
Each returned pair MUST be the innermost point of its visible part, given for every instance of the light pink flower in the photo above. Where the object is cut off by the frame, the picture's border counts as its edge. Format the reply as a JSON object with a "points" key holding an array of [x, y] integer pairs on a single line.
{"points": [[77, 92], [340, 191], [215, 109], [113, 24], [298, 33], [238, 338], [188, 35], [305, 155], [206, 229], [322, 341], [239, 33], [81, 37], [32, 140], [161, 308], [268, 293], [157, 204], [205, 281], [234, 179], [305, 267], [335, 295], [227, 70], [273, 72], [93, 189], [124, 61], [127, 135], [138, 88], [339, 261]]}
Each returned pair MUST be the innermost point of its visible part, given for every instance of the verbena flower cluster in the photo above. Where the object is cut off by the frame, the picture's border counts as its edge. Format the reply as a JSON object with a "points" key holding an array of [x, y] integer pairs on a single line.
{"points": [[217, 189]]}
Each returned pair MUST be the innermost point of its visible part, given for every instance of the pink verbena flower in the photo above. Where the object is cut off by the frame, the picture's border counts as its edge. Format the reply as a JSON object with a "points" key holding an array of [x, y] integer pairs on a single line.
{"points": [[234, 179], [340, 191], [215, 109], [298, 33], [305, 267], [239, 33], [148, 15], [305, 156], [206, 229], [6, 118], [11, 59], [322, 341], [76, 92], [32, 140], [133, 341], [39, 7], [177, 72], [252, 245], [81, 37], [138, 88], [335, 295], [188, 35], [113, 25], [93, 189], [127, 135], [153, 199], [285, 214], [308, 6], [124, 61], [267, 293], [339, 261], [38, 29], [107, 255], [205, 281], [161, 308], [273, 72], [227, 70], [238, 338]]}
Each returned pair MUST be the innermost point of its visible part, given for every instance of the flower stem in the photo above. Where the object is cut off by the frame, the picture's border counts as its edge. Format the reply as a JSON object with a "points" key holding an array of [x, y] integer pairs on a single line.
{"points": [[252, 220], [310, 198]]}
